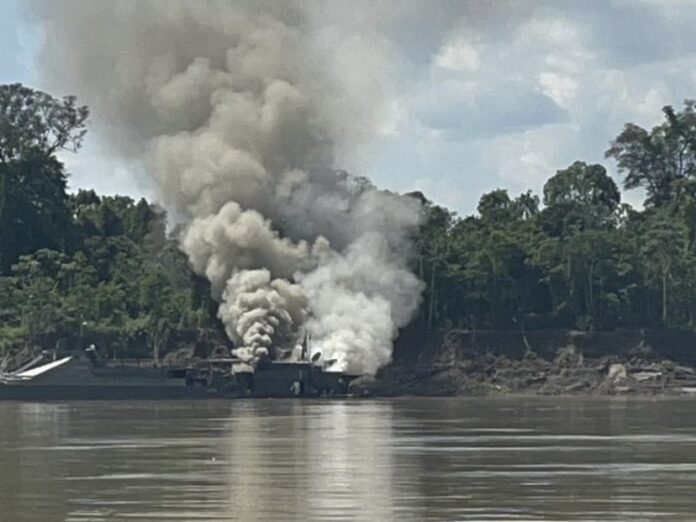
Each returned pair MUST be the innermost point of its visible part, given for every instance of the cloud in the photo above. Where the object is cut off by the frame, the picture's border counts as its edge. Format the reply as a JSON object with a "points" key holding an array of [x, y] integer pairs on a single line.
{"points": [[486, 110], [512, 103], [561, 89], [477, 95], [633, 32], [459, 55]]}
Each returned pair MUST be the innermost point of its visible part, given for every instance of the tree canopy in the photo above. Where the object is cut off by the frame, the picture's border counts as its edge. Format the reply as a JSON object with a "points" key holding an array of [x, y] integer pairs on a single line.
{"points": [[81, 266], [584, 260], [32, 120], [659, 160]]}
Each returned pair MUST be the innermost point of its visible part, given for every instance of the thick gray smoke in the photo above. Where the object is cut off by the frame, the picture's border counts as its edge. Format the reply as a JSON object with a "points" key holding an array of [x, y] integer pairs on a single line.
{"points": [[240, 111], [261, 314]]}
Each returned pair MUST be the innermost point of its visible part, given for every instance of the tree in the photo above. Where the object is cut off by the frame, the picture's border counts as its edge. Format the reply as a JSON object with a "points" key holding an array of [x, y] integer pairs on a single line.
{"points": [[431, 242], [164, 308], [579, 198], [31, 120], [34, 210], [33, 201], [658, 159], [526, 205], [662, 251], [585, 185], [496, 206], [81, 267], [39, 302]]}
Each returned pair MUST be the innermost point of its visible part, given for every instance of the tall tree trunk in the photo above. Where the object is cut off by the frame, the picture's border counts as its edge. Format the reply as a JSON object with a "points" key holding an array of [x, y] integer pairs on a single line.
{"points": [[431, 308], [421, 275], [494, 294], [590, 291], [600, 307], [664, 296]]}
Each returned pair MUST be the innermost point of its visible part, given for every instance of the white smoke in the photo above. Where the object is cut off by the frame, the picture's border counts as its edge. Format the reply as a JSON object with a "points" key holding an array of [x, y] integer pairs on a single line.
{"points": [[239, 110], [234, 239], [359, 298]]}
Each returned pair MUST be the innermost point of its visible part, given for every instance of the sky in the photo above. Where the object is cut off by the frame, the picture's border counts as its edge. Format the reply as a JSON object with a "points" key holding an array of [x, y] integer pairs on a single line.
{"points": [[483, 95]]}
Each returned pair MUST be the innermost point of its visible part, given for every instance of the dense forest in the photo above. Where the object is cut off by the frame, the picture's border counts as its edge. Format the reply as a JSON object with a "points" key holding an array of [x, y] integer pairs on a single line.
{"points": [[83, 267], [78, 265], [577, 257]]}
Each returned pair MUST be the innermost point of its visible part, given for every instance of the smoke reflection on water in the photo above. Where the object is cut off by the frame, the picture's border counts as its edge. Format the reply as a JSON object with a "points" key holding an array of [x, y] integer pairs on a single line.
{"points": [[340, 461], [248, 460], [445, 459]]}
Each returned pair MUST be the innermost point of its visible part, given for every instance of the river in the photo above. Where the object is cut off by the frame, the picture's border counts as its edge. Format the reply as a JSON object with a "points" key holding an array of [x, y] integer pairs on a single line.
{"points": [[404, 459]]}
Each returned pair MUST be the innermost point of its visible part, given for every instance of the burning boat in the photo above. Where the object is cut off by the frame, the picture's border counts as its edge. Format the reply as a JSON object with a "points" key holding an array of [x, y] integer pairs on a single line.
{"points": [[86, 376]]}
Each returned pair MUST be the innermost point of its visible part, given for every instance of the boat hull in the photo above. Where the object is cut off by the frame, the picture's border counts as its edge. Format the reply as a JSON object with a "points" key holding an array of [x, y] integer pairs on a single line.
{"points": [[75, 378], [97, 392]]}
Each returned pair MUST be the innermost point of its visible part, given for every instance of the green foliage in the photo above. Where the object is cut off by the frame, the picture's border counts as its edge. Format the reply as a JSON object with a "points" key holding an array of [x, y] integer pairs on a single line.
{"points": [[32, 120], [585, 260], [661, 159], [11, 337], [88, 268], [34, 213], [128, 287], [82, 267], [581, 197]]}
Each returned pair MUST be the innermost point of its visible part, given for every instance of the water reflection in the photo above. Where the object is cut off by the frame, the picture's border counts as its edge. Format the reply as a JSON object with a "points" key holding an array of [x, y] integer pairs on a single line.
{"points": [[312, 460], [502, 459], [26, 475]]}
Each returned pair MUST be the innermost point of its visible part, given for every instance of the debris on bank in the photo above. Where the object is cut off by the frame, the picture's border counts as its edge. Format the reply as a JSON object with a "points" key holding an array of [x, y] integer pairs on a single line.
{"points": [[569, 372]]}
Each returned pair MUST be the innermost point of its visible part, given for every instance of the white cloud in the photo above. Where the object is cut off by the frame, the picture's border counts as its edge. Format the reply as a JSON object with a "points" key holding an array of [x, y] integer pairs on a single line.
{"points": [[555, 48], [500, 94], [459, 55], [546, 91], [526, 161], [559, 88], [551, 32]]}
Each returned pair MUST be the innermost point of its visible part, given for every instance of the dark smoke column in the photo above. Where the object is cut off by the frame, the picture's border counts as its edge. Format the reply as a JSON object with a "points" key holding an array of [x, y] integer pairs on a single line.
{"points": [[235, 111]]}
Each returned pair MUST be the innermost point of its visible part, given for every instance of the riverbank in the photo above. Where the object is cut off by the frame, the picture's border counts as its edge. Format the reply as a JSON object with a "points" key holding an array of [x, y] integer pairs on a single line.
{"points": [[542, 363], [568, 374], [484, 363]]}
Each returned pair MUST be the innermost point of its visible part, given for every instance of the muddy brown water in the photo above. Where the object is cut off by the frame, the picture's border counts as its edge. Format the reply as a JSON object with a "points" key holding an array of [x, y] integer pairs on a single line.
{"points": [[404, 459]]}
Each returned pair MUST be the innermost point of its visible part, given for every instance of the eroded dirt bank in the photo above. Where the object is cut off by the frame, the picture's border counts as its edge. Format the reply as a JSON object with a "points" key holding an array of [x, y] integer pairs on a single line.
{"points": [[551, 362]]}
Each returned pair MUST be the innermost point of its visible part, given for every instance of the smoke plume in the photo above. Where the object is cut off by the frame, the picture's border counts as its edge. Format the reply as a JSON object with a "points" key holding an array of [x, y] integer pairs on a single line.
{"points": [[261, 315], [240, 112]]}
